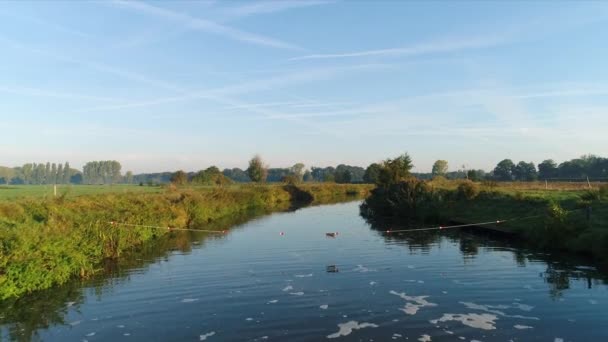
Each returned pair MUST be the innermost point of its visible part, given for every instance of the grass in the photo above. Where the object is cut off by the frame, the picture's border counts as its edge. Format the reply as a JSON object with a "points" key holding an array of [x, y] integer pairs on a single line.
{"points": [[12, 192], [47, 241], [560, 221]]}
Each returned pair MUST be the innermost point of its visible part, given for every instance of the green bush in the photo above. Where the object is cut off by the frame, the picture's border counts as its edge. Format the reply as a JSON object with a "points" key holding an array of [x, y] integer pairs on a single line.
{"points": [[468, 190], [604, 191]]}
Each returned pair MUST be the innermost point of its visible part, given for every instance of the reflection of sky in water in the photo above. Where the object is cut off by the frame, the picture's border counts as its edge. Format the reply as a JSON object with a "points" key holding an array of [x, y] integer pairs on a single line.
{"points": [[256, 284]]}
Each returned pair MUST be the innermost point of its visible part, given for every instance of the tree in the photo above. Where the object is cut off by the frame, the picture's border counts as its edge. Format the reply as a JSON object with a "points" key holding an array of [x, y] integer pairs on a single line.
{"points": [[59, 176], [307, 176], [525, 172], [371, 173], [179, 178], [395, 170], [504, 170], [547, 169], [297, 171], [440, 168], [257, 171], [342, 176], [67, 173], [129, 177], [53, 176]]}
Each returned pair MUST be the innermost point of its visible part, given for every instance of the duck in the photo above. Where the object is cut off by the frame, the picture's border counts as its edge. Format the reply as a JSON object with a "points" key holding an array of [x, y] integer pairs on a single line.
{"points": [[332, 235]]}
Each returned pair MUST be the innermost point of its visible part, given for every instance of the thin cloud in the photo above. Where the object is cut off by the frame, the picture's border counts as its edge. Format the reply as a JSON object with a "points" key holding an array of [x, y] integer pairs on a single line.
{"points": [[207, 25], [35, 92], [267, 7], [414, 50]]}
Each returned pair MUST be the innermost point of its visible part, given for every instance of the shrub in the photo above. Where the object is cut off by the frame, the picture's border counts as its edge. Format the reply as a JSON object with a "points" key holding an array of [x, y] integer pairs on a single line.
{"points": [[604, 191], [591, 195], [468, 190]]}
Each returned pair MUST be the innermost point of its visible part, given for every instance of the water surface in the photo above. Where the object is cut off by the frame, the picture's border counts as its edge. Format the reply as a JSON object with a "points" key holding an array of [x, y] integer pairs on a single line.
{"points": [[267, 280]]}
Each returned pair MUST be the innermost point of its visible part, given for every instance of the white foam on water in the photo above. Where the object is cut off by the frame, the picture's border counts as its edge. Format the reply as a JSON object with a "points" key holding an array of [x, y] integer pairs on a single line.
{"points": [[462, 337], [522, 327], [444, 292], [475, 341], [120, 326], [425, 338], [491, 309], [397, 335], [557, 339], [297, 293], [203, 337], [372, 283], [90, 334], [273, 301], [420, 281], [411, 308], [75, 323], [522, 307], [249, 319], [304, 275], [449, 332], [324, 307], [347, 328], [363, 269], [70, 304], [411, 266], [592, 301], [288, 288], [126, 334], [480, 321], [189, 300]]}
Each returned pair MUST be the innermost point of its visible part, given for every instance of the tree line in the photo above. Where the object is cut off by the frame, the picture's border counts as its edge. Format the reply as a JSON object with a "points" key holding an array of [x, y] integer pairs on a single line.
{"points": [[587, 166]]}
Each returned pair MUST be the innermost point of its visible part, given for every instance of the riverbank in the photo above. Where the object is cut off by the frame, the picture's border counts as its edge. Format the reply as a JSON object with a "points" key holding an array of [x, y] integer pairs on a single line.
{"points": [[552, 219], [47, 242]]}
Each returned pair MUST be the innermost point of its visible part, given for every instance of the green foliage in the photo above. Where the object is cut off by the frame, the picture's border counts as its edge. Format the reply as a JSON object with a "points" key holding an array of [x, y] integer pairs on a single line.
{"points": [[179, 178], [395, 170], [257, 171], [604, 191], [372, 173], [102, 172], [440, 168], [504, 170], [468, 190], [342, 176], [211, 176], [46, 242]]}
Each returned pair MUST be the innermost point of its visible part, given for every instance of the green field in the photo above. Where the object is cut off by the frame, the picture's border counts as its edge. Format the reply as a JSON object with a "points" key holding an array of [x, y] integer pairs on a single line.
{"points": [[12, 192]]}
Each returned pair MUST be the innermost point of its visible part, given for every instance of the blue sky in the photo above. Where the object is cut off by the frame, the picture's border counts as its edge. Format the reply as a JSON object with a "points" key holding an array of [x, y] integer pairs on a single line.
{"points": [[185, 85]]}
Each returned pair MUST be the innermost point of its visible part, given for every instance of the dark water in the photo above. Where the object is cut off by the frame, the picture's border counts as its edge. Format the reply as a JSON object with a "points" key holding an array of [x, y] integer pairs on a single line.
{"points": [[255, 284]]}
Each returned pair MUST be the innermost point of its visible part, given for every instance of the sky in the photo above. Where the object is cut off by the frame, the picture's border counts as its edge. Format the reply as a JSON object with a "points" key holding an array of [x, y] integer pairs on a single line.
{"points": [[170, 85]]}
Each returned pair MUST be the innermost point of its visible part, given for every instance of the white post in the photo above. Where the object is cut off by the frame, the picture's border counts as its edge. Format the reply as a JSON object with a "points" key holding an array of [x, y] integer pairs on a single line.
{"points": [[55, 190], [546, 185], [588, 183]]}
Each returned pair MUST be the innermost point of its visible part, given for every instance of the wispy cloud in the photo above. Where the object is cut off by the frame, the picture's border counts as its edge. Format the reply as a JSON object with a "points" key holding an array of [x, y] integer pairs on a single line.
{"points": [[35, 92], [207, 25], [447, 45], [264, 7]]}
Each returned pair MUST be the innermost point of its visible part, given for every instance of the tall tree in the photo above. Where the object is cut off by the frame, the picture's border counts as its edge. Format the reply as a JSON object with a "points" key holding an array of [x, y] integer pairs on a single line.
{"points": [[257, 171], [297, 171], [395, 170], [440, 168], [371, 173], [53, 177], [59, 175], [67, 173], [504, 170], [525, 171], [547, 169], [179, 178], [47, 173], [129, 177]]}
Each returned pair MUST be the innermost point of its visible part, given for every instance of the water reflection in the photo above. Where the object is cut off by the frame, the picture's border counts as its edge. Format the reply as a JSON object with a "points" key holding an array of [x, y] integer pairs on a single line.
{"points": [[561, 270], [28, 317]]}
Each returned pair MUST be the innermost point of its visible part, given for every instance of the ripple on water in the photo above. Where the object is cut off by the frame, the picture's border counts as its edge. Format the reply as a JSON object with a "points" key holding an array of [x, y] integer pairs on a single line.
{"points": [[348, 327]]}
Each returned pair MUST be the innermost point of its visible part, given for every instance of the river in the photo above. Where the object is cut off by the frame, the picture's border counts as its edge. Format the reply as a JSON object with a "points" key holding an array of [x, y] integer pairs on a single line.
{"points": [[280, 277]]}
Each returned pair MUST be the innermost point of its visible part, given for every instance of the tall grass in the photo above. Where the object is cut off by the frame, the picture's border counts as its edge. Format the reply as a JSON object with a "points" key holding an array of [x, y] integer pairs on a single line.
{"points": [[46, 242]]}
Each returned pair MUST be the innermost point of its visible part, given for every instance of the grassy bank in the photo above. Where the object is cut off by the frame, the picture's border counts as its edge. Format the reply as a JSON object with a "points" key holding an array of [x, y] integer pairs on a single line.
{"points": [[549, 219], [46, 242]]}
